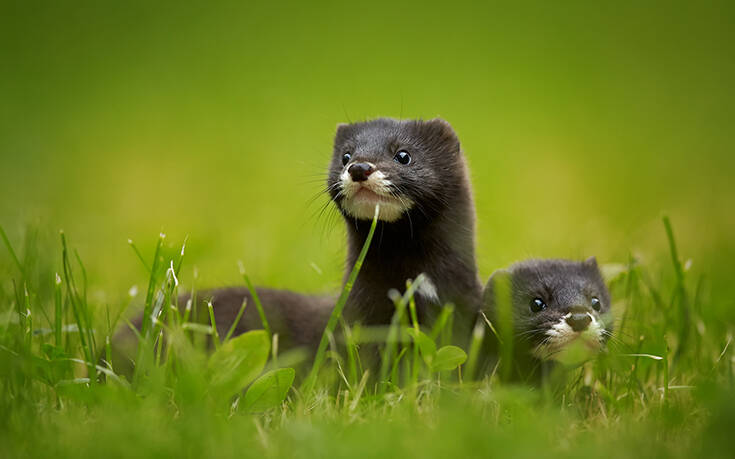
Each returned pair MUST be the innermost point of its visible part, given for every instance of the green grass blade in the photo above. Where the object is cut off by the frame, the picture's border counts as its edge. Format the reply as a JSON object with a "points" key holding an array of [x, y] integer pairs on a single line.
{"points": [[391, 341], [415, 322], [441, 322], [215, 335], [504, 312], [140, 255], [478, 335], [681, 293], [339, 306], [77, 304], [58, 311], [258, 304], [352, 352], [15, 258], [152, 281], [237, 319], [29, 316]]}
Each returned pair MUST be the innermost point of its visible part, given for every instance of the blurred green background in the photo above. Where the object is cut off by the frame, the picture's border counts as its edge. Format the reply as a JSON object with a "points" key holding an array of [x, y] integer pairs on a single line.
{"points": [[582, 122]]}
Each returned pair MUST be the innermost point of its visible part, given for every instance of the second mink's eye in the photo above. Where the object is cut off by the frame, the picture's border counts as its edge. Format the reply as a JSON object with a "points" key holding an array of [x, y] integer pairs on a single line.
{"points": [[537, 304], [596, 303], [402, 157], [346, 158]]}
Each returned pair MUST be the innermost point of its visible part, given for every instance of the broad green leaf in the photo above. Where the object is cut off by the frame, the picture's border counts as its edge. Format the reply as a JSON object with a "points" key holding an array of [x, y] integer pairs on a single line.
{"points": [[448, 358], [269, 390], [238, 362]]}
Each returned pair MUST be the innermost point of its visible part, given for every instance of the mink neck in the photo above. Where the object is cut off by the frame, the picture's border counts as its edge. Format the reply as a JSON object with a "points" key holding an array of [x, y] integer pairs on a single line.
{"points": [[440, 245]]}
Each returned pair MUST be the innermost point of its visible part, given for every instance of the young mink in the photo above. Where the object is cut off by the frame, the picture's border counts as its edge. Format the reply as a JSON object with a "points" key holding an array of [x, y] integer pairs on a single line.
{"points": [[417, 173], [554, 303]]}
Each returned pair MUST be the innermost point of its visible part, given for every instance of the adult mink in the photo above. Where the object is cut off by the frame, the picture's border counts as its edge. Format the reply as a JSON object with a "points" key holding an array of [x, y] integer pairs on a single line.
{"points": [[416, 172]]}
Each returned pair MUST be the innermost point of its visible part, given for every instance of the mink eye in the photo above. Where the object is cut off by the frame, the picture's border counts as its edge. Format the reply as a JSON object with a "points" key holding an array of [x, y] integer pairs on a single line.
{"points": [[537, 305], [596, 305], [346, 158], [402, 157]]}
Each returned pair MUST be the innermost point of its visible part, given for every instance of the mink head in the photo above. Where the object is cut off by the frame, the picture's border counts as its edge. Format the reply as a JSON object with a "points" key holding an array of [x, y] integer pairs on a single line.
{"points": [[555, 303], [405, 166]]}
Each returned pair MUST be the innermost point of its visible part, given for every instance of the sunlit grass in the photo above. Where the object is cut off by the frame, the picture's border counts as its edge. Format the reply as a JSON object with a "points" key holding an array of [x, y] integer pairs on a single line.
{"points": [[664, 387]]}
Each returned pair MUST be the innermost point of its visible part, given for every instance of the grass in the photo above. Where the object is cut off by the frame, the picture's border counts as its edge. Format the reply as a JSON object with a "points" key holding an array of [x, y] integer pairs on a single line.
{"points": [[664, 387]]}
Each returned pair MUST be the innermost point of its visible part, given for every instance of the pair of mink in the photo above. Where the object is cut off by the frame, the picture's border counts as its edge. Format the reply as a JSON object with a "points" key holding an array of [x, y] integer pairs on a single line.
{"points": [[417, 174]]}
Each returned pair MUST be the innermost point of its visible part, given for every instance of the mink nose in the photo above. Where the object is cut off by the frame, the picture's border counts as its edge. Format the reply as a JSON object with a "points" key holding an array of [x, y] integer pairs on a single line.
{"points": [[360, 171], [579, 321]]}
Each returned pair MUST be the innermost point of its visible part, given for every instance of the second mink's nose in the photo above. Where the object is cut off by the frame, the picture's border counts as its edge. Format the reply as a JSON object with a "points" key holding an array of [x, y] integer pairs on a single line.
{"points": [[579, 322], [360, 171]]}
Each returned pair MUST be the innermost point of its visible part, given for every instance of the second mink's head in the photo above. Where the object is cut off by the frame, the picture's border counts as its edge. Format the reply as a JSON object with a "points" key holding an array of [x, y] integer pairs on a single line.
{"points": [[406, 166], [555, 303]]}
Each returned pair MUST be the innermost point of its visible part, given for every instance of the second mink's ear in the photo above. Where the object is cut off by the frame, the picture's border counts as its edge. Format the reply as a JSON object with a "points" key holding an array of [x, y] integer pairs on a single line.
{"points": [[591, 262], [342, 131]]}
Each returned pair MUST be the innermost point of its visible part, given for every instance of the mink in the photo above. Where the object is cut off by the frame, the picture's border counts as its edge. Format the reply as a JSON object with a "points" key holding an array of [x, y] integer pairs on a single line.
{"points": [[416, 172], [553, 303]]}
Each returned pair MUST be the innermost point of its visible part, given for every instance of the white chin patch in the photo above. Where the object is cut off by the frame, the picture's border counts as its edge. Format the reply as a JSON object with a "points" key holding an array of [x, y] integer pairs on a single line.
{"points": [[360, 198], [561, 336]]}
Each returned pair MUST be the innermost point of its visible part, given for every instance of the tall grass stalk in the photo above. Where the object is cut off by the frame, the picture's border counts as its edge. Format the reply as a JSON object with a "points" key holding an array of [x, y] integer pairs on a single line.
{"points": [[13, 256], [80, 309], [213, 323], [478, 336], [256, 299], [401, 303], [58, 311], [308, 385], [237, 319], [416, 329], [681, 295], [152, 282]]}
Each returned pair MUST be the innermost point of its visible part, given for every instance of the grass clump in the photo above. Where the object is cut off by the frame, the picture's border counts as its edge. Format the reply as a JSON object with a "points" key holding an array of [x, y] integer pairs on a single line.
{"points": [[663, 388]]}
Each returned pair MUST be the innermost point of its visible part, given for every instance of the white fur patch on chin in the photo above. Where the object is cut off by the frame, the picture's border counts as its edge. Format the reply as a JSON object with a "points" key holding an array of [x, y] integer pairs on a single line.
{"points": [[360, 198], [561, 334]]}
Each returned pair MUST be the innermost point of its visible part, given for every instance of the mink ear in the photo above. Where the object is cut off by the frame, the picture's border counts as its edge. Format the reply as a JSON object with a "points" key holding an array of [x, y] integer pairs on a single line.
{"points": [[591, 262], [342, 129], [440, 123], [442, 131]]}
